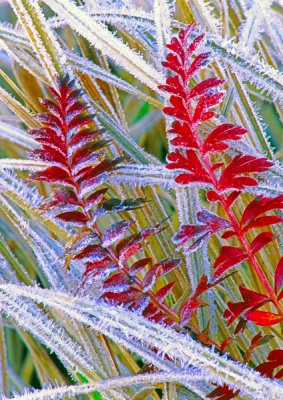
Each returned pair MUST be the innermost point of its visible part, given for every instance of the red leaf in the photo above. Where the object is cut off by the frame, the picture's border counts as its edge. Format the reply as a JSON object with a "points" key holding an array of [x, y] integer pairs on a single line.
{"points": [[117, 283], [92, 253], [186, 137], [226, 343], [259, 206], [75, 217], [233, 311], [178, 110], [252, 298], [85, 152], [232, 197], [174, 86], [228, 234], [150, 311], [139, 265], [168, 265], [127, 252], [214, 141], [261, 240], [164, 291], [49, 136], [176, 47], [199, 62], [278, 277], [223, 393], [151, 276], [228, 258], [95, 198], [212, 196], [263, 318], [52, 174], [242, 165], [188, 308], [211, 224], [50, 155], [123, 297], [262, 221], [114, 233], [173, 63], [79, 121], [186, 179], [82, 137], [205, 86]]}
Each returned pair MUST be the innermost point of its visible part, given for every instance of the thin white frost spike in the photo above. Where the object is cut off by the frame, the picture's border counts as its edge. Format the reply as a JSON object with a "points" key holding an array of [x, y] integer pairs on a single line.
{"points": [[162, 18], [252, 27]]}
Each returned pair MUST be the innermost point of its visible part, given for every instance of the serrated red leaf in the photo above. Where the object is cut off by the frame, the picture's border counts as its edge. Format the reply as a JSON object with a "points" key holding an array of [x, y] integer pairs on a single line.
{"points": [[186, 138], [204, 86], [117, 283], [92, 253], [261, 240], [228, 258], [188, 308], [173, 63], [214, 142], [121, 298], [95, 198], [250, 297], [74, 217], [164, 291], [82, 137], [199, 62], [150, 277], [210, 224], [139, 265], [174, 86], [190, 162], [263, 318], [50, 120], [242, 165], [259, 206], [55, 175], [177, 110], [278, 276], [115, 232], [176, 47]]}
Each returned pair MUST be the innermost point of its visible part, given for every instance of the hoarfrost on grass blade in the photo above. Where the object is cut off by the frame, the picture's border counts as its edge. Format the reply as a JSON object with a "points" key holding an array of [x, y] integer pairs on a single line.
{"points": [[17, 136], [106, 42], [111, 383], [120, 324], [42, 38], [251, 28]]}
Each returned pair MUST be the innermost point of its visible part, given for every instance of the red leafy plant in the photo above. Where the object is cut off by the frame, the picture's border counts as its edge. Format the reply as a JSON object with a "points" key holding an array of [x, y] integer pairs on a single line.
{"points": [[76, 166], [196, 159]]}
